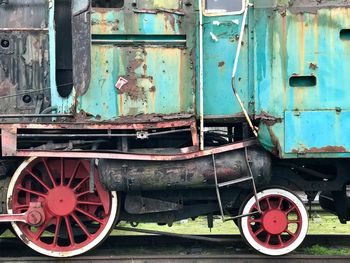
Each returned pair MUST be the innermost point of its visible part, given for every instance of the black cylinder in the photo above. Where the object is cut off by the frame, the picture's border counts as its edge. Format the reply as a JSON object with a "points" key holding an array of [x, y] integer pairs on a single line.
{"points": [[119, 175]]}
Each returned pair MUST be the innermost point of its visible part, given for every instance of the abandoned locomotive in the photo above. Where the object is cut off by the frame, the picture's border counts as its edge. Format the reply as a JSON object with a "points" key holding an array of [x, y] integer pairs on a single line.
{"points": [[157, 111]]}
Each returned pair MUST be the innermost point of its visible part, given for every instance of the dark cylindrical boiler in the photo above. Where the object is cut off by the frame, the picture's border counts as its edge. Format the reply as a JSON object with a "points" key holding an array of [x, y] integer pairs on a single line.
{"points": [[119, 175]]}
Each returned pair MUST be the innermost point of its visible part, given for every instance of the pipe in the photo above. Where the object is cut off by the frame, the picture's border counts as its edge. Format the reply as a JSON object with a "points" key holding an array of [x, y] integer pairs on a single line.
{"points": [[201, 91], [234, 71], [119, 175]]}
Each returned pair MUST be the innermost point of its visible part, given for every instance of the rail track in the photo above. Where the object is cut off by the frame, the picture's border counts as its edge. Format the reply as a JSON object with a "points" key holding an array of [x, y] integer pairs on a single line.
{"points": [[176, 249]]}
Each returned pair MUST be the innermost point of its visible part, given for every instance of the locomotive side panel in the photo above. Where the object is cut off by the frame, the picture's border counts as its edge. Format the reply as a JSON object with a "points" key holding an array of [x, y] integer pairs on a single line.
{"points": [[142, 61], [302, 60]]}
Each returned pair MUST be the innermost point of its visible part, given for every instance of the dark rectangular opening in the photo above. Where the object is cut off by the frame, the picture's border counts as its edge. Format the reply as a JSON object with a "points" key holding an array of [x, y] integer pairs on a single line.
{"points": [[172, 40], [303, 81], [345, 34], [108, 3]]}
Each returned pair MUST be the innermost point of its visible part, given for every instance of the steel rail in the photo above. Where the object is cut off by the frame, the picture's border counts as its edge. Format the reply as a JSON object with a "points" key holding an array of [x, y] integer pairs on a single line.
{"points": [[146, 249]]}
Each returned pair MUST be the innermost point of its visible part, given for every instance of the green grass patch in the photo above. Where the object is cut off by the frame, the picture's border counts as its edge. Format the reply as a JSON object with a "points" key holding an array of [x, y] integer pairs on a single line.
{"points": [[320, 251], [318, 224]]}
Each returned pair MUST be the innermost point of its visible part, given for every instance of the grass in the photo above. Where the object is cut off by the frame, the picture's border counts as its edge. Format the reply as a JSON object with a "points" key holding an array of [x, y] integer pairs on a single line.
{"points": [[320, 251], [318, 224]]}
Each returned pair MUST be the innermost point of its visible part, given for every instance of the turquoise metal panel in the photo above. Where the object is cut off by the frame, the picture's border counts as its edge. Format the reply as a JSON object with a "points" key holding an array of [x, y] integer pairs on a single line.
{"points": [[220, 37], [291, 43], [317, 132], [156, 82], [152, 48]]}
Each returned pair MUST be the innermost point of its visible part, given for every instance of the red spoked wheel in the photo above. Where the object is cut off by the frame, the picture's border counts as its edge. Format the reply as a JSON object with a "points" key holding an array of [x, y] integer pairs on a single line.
{"points": [[280, 227], [75, 219]]}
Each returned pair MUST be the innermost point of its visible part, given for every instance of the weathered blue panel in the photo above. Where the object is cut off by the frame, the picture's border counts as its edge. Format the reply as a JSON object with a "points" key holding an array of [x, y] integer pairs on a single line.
{"points": [[317, 131], [220, 39], [152, 50], [301, 65]]}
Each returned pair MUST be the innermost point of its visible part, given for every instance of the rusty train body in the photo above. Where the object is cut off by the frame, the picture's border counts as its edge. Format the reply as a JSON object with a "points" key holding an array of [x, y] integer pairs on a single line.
{"points": [[157, 111]]}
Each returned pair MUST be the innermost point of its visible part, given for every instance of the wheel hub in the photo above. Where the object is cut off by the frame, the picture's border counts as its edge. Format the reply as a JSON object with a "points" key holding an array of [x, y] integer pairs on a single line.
{"points": [[61, 201], [275, 222]]}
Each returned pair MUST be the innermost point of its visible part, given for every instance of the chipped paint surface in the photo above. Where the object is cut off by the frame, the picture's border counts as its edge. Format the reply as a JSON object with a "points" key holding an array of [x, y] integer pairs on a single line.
{"points": [[154, 47], [24, 57], [159, 71], [219, 56], [296, 41]]}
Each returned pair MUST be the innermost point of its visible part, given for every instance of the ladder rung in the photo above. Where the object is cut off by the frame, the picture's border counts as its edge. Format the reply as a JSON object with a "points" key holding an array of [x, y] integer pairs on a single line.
{"points": [[237, 181]]}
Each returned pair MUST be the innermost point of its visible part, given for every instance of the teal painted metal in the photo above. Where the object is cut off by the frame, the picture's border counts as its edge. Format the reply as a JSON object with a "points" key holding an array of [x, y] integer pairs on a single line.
{"points": [[302, 136], [307, 120], [220, 37], [158, 69], [283, 41]]}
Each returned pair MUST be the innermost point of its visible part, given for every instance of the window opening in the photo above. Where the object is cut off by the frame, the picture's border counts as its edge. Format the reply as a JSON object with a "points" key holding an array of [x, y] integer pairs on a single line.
{"points": [[108, 3], [223, 6]]}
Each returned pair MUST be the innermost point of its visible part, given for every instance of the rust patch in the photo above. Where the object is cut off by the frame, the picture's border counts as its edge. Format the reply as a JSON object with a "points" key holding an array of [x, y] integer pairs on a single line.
{"points": [[268, 119], [144, 70], [82, 115], [152, 89], [313, 66], [277, 149], [326, 149], [135, 60], [5, 87], [169, 18], [221, 64]]}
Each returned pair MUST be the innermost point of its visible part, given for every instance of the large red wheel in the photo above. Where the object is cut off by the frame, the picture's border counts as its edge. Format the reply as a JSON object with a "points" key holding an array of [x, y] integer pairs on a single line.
{"points": [[280, 227], [75, 219]]}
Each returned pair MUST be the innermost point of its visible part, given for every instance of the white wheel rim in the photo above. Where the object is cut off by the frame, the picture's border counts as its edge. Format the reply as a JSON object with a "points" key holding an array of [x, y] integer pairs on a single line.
{"points": [[21, 235], [278, 251]]}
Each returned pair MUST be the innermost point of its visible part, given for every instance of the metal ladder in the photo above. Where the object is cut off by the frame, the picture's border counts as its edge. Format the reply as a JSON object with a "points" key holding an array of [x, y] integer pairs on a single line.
{"points": [[233, 182]]}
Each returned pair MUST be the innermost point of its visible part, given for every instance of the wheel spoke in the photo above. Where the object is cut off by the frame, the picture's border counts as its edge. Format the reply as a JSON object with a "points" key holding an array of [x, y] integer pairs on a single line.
{"points": [[268, 237], [280, 203], [31, 191], [279, 237], [62, 171], [259, 231], [268, 203], [69, 230], [49, 172], [73, 174], [90, 203], [290, 209], [80, 184], [256, 220], [38, 180], [83, 193], [41, 230], [57, 231], [81, 225], [289, 232], [89, 215]]}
